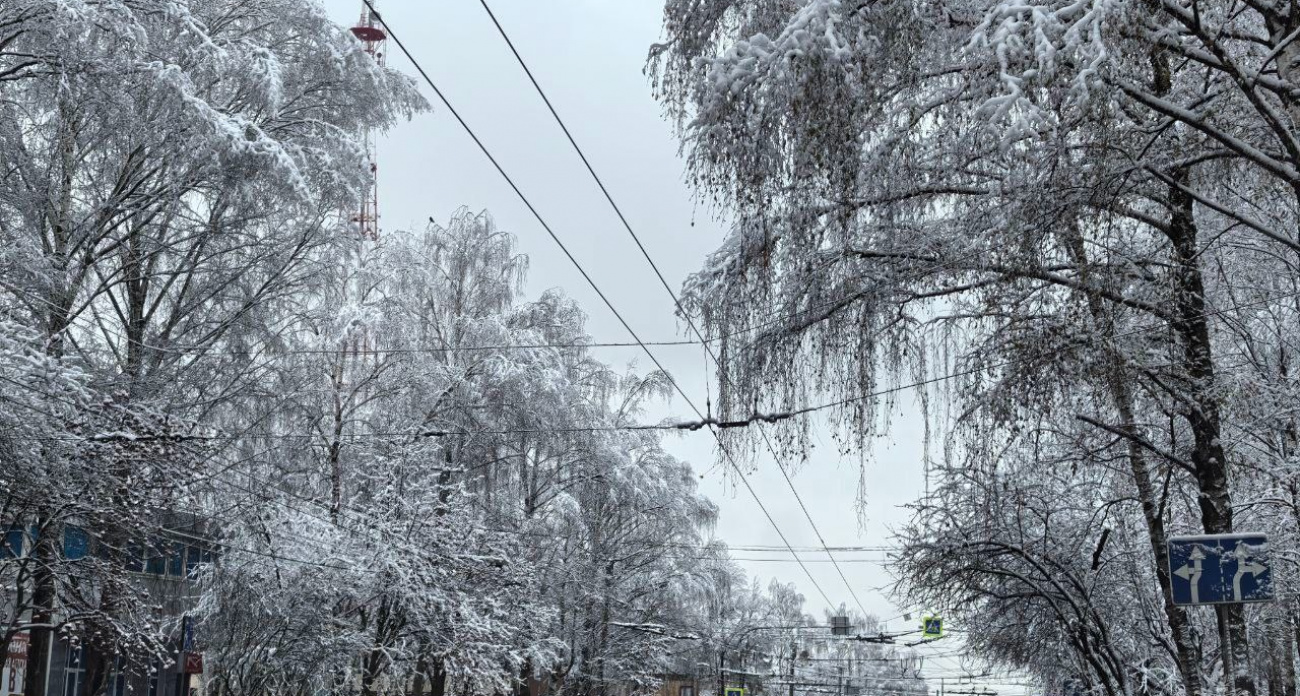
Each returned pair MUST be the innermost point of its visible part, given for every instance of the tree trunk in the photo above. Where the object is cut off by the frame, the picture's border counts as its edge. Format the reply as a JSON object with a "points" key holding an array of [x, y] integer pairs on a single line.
{"points": [[46, 554], [793, 653], [722, 672], [1180, 626], [371, 667], [1186, 652], [336, 439], [525, 673], [1202, 416], [439, 682], [417, 682], [1281, 667], [95, 679]]}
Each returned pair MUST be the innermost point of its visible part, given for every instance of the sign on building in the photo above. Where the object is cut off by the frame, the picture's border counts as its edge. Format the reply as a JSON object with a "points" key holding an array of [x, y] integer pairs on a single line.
{"points": [[193, 663], [15, 665], [1219, 569]]}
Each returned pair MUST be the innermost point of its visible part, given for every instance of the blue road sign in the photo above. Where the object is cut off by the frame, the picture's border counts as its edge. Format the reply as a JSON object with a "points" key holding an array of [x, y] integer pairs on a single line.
{"points": [[1220, 569], [932, 627]]}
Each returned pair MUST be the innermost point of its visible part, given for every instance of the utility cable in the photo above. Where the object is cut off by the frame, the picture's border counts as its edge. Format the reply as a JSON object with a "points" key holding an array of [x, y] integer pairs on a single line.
{"points": [[722, 377], [681, 310], [596, 288], [680, 426]]}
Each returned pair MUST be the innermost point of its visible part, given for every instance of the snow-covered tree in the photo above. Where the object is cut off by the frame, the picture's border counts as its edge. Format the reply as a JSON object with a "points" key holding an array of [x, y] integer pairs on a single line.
{"points": [[365, 466], [171, 170], [1079, 217]]}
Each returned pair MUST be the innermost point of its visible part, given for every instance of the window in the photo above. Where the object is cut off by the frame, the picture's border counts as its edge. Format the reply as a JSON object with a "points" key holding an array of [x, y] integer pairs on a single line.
{"points": [[155, 562], [176, 559], [135, 558], [75, 543], [192, 560], [115, 684], [196, 557], [73, 673], [11, 546], [169, 558], [686, 691]]}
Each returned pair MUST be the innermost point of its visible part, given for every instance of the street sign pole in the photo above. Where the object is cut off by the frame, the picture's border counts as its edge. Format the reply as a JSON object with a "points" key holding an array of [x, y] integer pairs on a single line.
{"points": [[1225, 647], [1223, 571]]}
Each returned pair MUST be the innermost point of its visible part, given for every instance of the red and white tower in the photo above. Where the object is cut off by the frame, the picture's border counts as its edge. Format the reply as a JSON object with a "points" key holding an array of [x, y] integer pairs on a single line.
{"points": [[373, 38]]}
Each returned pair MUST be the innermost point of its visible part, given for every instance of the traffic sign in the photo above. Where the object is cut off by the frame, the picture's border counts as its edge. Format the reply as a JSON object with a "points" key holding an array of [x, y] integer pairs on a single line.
{"points": [[1220, 569], [931, 627], [734, 691]]}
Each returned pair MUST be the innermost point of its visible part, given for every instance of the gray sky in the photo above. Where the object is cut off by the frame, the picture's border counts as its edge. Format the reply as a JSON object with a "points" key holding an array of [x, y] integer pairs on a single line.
{"points": [[589, 56]]}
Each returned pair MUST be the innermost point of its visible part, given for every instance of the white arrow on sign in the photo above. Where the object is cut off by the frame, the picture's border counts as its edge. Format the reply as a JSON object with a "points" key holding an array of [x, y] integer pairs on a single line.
{"points": [[1192, 573], [1244, 568]]}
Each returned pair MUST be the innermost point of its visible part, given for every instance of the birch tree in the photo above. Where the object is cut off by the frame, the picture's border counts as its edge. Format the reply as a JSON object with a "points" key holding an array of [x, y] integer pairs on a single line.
{"points": [[170, 171], [1030, 201]]}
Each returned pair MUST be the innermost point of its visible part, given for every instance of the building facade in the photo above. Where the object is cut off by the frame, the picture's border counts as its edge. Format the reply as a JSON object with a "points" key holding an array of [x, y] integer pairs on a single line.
{"points": [[164, 570]]}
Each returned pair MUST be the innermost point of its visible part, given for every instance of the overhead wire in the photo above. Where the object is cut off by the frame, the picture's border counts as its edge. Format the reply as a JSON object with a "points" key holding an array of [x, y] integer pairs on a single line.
{"points": [[704, 342], [638, 343], [677, 426], [681, 310], [591, 282], [643, 344]]}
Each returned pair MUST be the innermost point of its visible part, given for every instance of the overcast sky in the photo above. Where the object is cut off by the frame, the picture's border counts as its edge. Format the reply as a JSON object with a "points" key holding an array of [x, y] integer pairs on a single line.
{"points": [[589, 56]]}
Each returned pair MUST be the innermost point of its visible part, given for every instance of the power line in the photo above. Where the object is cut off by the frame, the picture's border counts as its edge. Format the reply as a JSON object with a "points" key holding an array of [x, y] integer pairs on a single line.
{"points": [[647, 256], [596, 288], [685, 425], [806, 410], [413, 435], [371, 435], [664, 282], [848, 549], [678, 426], [681, 310]]}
